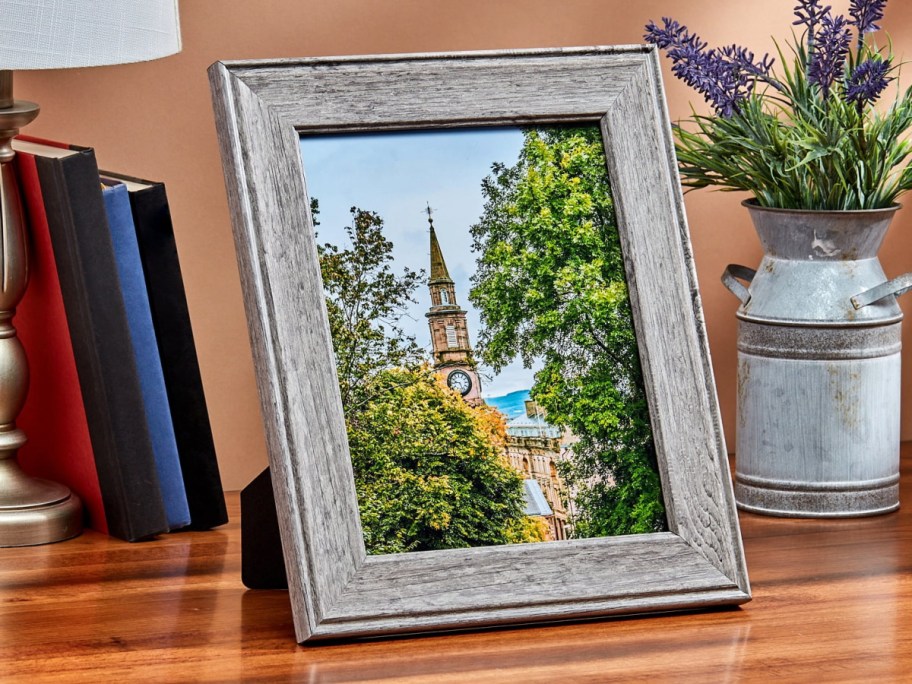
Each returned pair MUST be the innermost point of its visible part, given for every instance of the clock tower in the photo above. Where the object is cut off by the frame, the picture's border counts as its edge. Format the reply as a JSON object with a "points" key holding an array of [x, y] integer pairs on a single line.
{"points": [[449, 332]]}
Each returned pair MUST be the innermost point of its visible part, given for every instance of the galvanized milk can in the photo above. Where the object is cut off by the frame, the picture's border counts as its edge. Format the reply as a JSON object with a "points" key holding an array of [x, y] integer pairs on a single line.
{"points": [[818, 367]]}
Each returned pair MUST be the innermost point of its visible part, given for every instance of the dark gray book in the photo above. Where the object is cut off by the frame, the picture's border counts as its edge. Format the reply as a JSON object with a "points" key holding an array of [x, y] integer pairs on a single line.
{"points": [[100, 335]]}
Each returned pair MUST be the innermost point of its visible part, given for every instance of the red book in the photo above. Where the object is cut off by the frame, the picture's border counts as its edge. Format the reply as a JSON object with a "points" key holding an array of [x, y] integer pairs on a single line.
{"points": [[59, 446]]}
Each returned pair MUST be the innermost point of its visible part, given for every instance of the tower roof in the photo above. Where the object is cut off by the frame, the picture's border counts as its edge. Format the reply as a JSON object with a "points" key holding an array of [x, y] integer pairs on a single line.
{"points": [[439, 272]]}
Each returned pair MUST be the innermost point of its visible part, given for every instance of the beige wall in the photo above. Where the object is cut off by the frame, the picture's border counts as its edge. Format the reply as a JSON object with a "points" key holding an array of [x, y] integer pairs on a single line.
{"points": [[155, 120]]}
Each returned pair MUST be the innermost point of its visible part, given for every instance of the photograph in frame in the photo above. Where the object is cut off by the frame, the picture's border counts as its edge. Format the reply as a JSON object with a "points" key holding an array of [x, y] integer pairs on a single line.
{"points": [[264, 110], [487, 364]]}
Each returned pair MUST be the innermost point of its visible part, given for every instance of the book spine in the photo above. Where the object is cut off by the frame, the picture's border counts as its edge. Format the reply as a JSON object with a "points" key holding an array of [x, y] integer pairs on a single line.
{"points": [[101, 344], [171, 316], [145, 350], [59, 445]]}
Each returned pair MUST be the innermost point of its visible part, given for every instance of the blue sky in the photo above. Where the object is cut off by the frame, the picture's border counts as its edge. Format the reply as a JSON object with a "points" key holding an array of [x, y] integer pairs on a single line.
{"points": [[397, 175]]}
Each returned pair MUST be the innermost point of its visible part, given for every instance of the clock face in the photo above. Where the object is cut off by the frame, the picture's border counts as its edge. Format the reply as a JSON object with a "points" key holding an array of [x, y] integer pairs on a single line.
{"points": [[459, 381]]}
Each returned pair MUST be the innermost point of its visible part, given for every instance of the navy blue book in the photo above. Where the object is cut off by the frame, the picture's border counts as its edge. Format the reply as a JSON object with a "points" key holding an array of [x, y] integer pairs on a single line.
{"points": [[145, 350], [171, 317]]}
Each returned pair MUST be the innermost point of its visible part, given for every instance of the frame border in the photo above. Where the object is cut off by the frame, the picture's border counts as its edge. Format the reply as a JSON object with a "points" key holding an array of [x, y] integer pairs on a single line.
{"points": [[262, 108]]}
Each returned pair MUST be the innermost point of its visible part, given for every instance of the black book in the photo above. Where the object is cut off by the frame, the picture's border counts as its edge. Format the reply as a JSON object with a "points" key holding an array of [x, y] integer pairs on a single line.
{"points": [[102, 346], [171, 318]]}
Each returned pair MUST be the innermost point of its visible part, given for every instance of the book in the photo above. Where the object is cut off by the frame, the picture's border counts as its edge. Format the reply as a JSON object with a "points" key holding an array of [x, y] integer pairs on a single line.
{"points": [[59, 446], [180, 364], [100, 337], [145, 351]]}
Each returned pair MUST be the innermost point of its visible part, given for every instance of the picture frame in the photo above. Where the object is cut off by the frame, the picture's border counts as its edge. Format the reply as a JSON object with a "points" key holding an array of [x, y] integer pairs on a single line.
{"points": [[337, 590]]}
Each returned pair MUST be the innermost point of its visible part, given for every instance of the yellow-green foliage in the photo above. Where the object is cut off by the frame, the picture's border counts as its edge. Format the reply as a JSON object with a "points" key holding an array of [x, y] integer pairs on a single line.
{"points": [[429, 469]]}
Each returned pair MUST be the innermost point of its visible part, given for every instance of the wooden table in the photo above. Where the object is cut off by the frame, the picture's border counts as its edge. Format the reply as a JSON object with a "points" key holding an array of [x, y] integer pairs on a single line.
{"points": [[832, 602]]}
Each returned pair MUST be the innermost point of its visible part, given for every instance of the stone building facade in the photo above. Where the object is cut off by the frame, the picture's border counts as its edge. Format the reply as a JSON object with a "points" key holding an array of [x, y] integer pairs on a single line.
{"points": [[533, 447]]}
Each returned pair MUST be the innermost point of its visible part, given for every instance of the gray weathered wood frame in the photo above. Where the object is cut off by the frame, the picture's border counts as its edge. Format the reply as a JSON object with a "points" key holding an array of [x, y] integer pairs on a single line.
{"points": [[337, 590]]}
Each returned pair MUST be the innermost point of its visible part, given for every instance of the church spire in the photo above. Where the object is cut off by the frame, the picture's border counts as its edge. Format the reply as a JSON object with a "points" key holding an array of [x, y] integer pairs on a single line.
{"points": [[449, 332], [439, 272]]}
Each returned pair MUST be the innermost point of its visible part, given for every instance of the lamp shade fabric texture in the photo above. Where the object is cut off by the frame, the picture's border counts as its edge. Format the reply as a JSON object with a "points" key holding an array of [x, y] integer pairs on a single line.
{"points": [[57, 34]]}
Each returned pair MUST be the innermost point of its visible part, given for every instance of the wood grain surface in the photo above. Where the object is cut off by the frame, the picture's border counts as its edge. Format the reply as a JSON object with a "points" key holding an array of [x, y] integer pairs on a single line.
{"points": [[832, 603]]}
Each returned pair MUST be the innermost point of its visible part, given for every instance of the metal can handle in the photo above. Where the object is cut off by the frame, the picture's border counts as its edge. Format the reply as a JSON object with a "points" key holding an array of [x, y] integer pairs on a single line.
{"points": [[896, 287], [732, 277]]}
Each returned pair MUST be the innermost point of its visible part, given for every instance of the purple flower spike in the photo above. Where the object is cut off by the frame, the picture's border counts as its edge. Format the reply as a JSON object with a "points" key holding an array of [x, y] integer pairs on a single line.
{"points": [[724, 77], [869, 79], [722, 84], [865, 14], [830, 50], [810, 13], [744, 59], [702, 70], [672, 34]]}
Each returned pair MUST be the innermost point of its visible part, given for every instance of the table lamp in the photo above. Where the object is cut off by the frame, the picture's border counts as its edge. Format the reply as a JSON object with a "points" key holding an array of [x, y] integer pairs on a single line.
{"points": [[50, 34]]}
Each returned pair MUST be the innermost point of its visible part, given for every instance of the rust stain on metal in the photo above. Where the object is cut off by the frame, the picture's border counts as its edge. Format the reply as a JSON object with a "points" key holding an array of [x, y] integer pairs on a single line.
{"points": [[845, 388], [743, 378]]}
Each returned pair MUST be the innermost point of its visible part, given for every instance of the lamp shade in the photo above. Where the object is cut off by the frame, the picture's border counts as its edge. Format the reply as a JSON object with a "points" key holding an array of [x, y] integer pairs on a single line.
{"points": [[57, 34]]}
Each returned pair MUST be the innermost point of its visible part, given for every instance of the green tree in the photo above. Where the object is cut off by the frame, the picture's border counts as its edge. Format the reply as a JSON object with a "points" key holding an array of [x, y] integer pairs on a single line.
{"points": [[429, 469], [550, 286], [365, 300]]}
